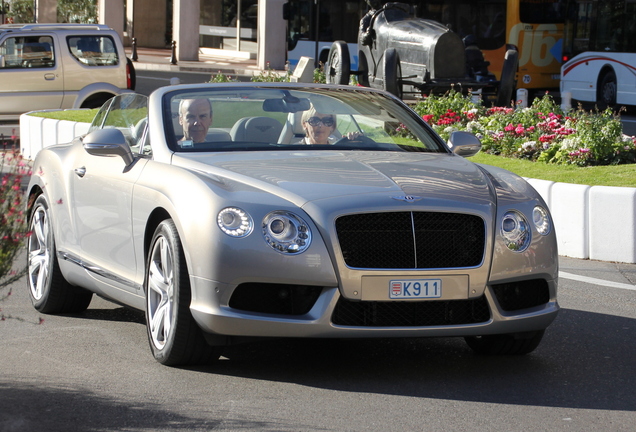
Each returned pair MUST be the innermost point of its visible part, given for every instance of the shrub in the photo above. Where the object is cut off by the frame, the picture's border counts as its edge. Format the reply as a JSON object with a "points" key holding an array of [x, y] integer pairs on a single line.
{"points": [[13, 224], [220, 77], [541, 132]]}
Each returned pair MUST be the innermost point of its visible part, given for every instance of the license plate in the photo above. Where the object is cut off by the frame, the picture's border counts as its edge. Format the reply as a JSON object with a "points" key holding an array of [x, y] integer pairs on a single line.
{"points": [[415, 288]]}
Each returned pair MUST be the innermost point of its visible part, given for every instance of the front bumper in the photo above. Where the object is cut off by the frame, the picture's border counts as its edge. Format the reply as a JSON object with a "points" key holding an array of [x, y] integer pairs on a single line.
{"points": [[209, 309]]}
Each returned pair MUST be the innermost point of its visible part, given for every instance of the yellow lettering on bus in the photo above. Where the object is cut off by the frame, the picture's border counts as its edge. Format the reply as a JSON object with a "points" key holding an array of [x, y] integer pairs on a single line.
{"points": [[534, 46], [544, 40]]}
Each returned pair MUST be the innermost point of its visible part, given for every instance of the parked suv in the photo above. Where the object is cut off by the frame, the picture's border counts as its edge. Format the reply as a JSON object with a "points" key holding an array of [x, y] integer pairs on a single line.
{"points": [[58, 66]]}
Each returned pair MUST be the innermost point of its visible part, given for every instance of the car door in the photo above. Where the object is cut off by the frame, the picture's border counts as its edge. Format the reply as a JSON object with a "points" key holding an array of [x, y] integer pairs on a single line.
{"points": [[30, 74], [102, 199], [102, 188]]}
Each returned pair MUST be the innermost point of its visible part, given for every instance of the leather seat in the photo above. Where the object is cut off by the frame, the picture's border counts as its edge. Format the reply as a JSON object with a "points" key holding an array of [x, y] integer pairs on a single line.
{"points": [[256, 129]]}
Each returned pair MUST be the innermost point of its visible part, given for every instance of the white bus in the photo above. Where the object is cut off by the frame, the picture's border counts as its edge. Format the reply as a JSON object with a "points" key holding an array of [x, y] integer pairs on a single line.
{"points": [[599, 52], [313, 25]]}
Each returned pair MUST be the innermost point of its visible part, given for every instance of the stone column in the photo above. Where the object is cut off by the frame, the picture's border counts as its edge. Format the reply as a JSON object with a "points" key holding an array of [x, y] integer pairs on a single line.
{"points": [[46, 11], [185, 28], [147, 20], [111, 13], [272, 35]]}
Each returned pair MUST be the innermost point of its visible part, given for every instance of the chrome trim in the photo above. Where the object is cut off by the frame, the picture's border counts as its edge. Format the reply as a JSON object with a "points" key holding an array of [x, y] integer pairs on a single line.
{"points": [[97, 270], [407, 198]]}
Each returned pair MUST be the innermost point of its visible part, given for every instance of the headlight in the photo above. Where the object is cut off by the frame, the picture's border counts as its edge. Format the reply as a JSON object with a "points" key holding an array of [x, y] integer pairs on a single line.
{"points": [[286, 232], [235, 222], [515, 231], [541, 220]]}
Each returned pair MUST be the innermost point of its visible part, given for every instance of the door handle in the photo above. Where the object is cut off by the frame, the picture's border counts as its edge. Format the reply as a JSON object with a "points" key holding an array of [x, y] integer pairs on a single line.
{"points": [[49, 76], [81, 171]]}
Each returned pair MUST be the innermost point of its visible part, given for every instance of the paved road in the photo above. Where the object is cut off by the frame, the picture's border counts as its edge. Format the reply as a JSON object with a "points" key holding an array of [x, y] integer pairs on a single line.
{"points": [[94, 372]]}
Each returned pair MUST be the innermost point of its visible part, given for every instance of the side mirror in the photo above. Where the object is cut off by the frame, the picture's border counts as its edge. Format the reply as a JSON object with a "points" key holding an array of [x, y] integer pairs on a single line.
{"points": [[108, 142], [464, 144]]}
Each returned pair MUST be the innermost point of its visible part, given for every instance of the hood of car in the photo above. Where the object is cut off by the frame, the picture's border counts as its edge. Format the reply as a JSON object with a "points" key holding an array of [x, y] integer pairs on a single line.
{"points": [[307, 176]]}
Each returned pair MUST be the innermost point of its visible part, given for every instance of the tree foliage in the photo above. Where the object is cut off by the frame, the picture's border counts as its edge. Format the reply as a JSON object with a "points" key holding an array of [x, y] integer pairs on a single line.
{"points": [[68, 11], [77, 11], [21, 11]]}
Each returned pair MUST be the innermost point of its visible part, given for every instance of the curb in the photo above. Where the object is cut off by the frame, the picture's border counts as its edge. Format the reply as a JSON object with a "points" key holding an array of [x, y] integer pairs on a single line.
{"points": [[592, 222], [211, 70]]}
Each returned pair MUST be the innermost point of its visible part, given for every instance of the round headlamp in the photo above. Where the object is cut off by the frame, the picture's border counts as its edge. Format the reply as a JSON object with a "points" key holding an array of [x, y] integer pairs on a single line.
{"points": [[541, 220], [515, 231], [286, 232], [235, 222]]}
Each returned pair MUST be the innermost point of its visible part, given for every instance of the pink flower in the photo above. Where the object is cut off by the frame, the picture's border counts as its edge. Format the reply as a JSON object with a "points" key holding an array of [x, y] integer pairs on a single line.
{"points": [[427, 118]]}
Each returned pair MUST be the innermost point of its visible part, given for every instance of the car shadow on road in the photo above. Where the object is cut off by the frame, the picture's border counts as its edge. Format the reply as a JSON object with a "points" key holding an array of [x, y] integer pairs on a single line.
{"points": [[121, 314], [586, 360], [37, 407]]}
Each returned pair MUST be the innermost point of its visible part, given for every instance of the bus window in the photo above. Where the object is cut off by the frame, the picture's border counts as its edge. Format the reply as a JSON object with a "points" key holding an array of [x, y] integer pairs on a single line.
{"points": [[542, 11], [630, 27], [486, 20], [311, 26], [609, 27]]}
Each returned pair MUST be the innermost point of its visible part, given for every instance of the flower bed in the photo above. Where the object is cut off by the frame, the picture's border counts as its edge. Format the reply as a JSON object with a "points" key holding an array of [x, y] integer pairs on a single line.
{"points": [[13, 226], [541, 132]]}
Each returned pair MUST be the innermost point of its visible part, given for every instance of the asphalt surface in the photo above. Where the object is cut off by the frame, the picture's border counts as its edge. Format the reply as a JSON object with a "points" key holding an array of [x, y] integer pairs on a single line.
{"points": [[94, 372]]}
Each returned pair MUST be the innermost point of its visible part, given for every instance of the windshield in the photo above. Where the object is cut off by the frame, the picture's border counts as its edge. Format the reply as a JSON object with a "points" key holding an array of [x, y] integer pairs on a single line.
{"points": [[257, 118]]}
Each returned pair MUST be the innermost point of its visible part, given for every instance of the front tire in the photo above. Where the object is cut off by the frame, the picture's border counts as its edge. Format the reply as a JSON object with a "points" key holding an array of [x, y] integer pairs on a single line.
{"points": [[505, 344], [363, 69], [50, 293], [174, 336], [338, 67]]}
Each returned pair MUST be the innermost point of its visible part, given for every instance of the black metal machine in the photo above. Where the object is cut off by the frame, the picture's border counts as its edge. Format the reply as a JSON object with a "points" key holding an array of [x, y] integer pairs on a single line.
{"points": [[406, 55]]}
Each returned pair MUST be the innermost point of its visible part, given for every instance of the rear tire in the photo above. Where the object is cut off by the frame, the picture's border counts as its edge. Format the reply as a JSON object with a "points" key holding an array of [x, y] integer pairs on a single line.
{"points": [[50, 293], [96, 101], [338, 67], [174, 336], [505, 344], [363, 69], [507, 81], [392, 72], [606, 94]]}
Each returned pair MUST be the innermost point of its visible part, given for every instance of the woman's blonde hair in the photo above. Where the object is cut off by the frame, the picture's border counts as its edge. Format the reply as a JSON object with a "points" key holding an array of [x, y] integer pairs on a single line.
{"points": [[311, 112]]}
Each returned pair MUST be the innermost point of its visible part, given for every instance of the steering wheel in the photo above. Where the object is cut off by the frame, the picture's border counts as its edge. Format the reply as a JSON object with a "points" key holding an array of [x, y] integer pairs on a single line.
{"points": [[362, 139]]}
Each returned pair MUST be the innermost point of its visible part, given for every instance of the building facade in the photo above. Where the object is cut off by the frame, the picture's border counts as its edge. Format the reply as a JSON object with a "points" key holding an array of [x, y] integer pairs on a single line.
{"points": [[195, 25]]}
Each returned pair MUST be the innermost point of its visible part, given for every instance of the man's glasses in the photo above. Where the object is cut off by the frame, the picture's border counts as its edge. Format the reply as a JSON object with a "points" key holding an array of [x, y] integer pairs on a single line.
{"points": [[315, 121]]}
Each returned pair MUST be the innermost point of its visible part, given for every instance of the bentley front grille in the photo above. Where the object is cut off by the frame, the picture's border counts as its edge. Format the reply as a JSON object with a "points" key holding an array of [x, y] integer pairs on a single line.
{"points": [[411, 240]]}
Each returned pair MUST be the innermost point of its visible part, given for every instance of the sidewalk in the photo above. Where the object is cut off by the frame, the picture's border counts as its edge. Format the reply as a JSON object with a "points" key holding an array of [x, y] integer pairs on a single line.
{"points": [[223, 62]]}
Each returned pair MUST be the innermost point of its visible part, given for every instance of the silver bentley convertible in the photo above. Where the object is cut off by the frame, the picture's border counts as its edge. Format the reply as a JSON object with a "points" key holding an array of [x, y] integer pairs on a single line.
{"points": [[233, 211]]}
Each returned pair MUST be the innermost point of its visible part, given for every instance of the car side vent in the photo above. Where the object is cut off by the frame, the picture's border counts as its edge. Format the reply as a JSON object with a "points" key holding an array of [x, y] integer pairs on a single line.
{"points": [[280, 299], [522, 295], [410, 313]]}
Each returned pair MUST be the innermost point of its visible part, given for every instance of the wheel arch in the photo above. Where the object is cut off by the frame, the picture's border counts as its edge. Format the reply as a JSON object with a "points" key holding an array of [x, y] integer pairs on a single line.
{"points": [[157, 216], [96, 92], [33, 194]]}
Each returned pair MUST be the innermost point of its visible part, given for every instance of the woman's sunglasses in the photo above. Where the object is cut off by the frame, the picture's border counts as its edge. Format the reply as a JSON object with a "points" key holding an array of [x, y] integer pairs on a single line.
{"points": [[315, 121]]}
